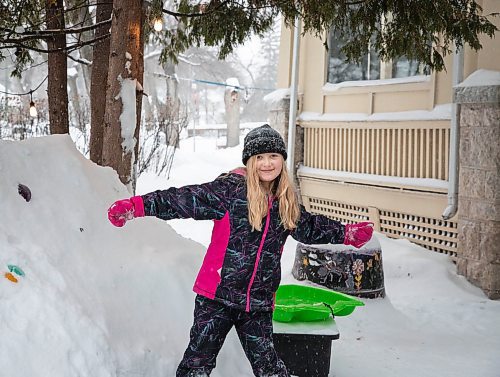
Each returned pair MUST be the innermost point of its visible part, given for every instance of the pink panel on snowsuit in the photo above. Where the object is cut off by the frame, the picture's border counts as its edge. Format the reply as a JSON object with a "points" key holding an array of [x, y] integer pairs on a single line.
{"points": [[209, 276]]}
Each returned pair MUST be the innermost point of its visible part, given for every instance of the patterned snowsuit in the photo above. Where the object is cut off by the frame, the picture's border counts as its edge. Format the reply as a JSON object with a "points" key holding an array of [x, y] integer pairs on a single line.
{"points": [[241, 269]]}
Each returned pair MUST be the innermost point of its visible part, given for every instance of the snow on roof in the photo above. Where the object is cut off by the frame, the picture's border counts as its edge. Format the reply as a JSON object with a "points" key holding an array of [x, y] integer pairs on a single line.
{"points": [[276, 95], [482, 77]]}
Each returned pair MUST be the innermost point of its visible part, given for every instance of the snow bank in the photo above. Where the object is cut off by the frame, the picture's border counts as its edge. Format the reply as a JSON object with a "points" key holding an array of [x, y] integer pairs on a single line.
{"points": [[96, 300]]}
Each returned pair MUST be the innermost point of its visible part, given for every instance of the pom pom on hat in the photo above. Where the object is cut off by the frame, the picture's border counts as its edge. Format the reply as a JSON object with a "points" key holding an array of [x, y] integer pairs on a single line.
{"points": [[263, 139]]}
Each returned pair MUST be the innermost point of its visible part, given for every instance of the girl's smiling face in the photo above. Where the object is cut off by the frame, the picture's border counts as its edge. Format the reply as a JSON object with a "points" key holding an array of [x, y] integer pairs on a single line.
{"points": [[269, 166]]}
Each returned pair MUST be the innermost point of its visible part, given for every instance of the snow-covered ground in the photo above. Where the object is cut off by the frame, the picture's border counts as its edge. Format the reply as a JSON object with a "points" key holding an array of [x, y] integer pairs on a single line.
{"points": [[103, 301]]}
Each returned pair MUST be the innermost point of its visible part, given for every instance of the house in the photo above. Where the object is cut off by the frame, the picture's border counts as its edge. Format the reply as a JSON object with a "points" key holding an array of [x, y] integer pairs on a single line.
{"points": [[376, 141]]}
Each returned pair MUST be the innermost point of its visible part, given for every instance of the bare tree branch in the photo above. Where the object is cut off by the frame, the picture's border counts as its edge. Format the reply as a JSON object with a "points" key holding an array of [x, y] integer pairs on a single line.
{"points": [[68, 48], [78, 60], [38, 34]]}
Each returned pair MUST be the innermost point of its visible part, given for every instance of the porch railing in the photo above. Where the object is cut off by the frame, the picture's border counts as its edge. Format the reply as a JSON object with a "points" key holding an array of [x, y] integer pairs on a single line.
{"points": [[418, 150]]}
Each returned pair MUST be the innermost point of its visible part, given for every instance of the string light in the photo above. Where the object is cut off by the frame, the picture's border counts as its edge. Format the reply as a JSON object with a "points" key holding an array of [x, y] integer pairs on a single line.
{"points": [[33, 112], [158, 24]]}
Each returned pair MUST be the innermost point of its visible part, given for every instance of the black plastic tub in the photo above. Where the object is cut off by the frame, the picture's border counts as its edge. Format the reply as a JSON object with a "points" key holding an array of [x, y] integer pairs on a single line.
{"points": [[305, 355]]}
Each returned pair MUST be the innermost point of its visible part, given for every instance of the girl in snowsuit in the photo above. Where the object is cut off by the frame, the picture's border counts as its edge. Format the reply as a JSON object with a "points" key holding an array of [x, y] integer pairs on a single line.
{"points": [[254, 210]]}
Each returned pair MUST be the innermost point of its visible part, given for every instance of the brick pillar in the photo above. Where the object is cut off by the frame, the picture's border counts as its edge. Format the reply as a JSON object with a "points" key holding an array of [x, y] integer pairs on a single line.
{"points": [[479, 187]]}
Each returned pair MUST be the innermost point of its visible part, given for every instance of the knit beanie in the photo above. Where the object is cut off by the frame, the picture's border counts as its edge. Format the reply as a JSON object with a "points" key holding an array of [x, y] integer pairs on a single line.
{"points": [[263, 139]]}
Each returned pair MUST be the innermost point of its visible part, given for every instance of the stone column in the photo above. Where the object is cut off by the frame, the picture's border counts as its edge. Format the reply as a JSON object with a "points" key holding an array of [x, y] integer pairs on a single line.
{"points": [[479, 187]]}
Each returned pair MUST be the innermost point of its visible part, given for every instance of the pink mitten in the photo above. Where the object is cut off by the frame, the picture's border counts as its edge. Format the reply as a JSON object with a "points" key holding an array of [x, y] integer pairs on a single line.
{"points": [[126, 209], [358, 234]]}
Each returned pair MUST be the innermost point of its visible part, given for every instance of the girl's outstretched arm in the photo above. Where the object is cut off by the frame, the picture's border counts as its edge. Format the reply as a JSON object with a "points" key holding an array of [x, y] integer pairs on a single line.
{"points": [[201, 202], [206, 201], [319, 229]]}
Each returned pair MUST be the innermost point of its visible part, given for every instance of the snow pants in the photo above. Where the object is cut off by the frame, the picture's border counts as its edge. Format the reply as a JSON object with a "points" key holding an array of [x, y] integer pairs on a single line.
{"points": [[212, 322]]}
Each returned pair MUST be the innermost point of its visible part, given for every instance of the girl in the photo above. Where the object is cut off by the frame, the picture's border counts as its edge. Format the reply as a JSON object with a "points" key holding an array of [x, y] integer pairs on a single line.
{"points": [[254, 210]]}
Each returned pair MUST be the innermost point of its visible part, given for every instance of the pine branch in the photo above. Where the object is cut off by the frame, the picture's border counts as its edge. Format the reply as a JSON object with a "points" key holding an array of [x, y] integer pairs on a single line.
{"points": [[191, 15]]}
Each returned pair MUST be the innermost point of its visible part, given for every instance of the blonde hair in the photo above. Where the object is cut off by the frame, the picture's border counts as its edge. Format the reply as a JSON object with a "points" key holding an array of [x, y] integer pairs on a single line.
{"points": [[283, 190]]}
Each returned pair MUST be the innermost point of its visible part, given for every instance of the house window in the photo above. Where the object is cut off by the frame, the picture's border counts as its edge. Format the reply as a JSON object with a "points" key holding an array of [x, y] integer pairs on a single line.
{"points": [[339, 70], [403, 67], [370, 66]]}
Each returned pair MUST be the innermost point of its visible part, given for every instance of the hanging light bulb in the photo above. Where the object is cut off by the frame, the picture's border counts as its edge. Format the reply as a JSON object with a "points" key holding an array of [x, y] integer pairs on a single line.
{"points": [[158, 24], [33, 112]]}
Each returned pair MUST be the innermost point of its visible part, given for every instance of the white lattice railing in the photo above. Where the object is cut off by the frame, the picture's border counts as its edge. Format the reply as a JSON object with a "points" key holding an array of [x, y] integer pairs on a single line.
{"points": [[411, 149], [432, 233]]}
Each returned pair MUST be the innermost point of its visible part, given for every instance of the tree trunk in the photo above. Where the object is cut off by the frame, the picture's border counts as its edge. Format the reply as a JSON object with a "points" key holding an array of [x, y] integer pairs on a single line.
{"points": [[57, 90], [125, 75], [139, 99], [98, 85]]}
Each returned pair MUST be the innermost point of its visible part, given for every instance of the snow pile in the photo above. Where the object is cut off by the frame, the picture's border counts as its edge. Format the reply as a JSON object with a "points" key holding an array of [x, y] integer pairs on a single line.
{"points": [[95, 300]]}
